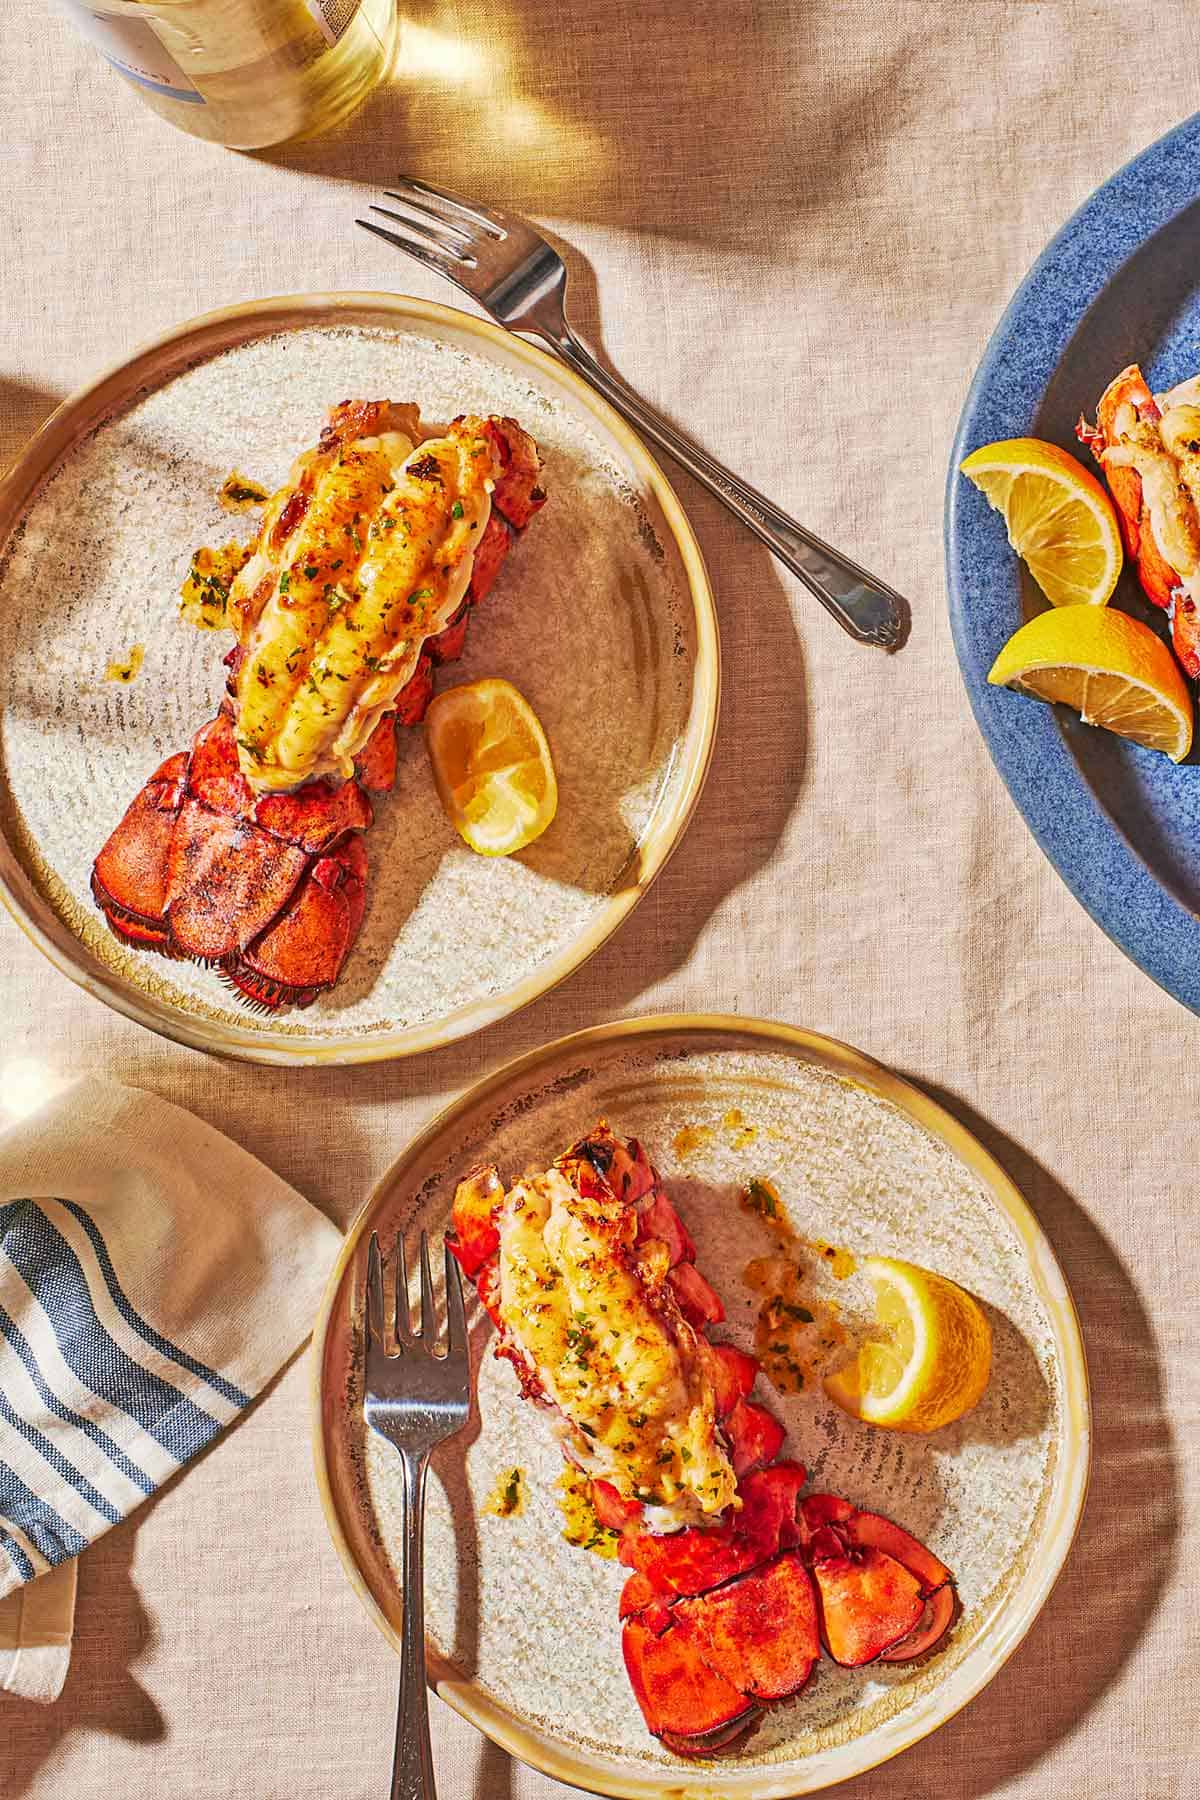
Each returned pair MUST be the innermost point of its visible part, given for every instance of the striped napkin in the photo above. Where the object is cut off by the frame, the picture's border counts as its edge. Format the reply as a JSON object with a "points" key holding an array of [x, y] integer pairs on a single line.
{"points": [[153, 1277]]}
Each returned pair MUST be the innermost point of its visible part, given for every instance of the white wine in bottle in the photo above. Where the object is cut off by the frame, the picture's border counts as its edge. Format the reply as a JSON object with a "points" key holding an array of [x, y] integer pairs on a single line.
{"points": [[246, 73]]}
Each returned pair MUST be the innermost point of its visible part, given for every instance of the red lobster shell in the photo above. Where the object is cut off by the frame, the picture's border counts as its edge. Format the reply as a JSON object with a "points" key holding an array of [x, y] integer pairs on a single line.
{"points": [[721, 1622], [270, 888]]}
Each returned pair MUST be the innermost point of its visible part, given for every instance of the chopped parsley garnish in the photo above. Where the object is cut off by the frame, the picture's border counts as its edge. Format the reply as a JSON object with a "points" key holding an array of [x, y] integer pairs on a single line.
{"points": [[508, 1498], [285, 581], [762, 1197], [420, 594], [456, 511], [251, 748]]}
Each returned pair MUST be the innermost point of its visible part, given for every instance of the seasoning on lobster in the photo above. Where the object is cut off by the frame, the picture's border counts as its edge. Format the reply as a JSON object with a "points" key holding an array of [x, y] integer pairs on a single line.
{"points": [[1148, 446], [246, 851], [737, 1579]]}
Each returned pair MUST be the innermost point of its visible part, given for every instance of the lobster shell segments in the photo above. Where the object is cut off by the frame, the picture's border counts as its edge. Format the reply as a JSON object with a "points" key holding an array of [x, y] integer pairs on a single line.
{"points": [[724, 1617], [613, 582], [271, 887], [856, 1155]]}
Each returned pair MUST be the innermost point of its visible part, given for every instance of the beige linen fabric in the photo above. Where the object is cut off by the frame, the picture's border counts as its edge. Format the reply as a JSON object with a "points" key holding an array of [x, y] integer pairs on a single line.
{"points": [[36, 1626], [168, 1195], [793, 225]]}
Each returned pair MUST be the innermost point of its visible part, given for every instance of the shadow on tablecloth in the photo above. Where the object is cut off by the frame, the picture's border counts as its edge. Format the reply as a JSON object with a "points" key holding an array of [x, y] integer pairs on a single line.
{"points": [[1127, 1546], [652, 116], [102, 1696]]}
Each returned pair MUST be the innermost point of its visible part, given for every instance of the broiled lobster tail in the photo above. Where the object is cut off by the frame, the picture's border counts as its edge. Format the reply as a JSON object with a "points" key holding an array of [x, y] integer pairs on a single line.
{"points": [[721, 1620], [270, 888]]}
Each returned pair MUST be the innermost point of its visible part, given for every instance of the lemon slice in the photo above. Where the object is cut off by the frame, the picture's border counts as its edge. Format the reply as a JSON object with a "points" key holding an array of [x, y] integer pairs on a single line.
{"points": [[933, 1362], [1059, 518], [492, 766], [1112, 669]]}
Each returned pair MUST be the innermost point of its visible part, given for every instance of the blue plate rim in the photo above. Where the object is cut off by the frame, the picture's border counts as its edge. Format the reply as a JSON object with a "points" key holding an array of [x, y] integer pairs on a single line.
{"points": [[1026, 743]]}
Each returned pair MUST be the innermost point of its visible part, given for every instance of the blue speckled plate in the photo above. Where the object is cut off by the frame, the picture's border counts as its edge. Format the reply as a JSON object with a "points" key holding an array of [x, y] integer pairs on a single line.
{"points": [[1120, 283]]}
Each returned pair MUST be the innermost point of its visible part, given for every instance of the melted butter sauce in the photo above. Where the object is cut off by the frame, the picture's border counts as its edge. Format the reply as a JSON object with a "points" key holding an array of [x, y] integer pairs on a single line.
{"points": [[582, 1527], [204, 596], [240, 493], [691, 1139], [741, 1134], [507, 1498], [798, 1335], [130, 669]]}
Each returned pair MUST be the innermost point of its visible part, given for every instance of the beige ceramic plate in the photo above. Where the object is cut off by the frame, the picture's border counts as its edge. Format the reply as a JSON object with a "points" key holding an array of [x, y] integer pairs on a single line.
{"points": [[523, 1628], [602, 617]]}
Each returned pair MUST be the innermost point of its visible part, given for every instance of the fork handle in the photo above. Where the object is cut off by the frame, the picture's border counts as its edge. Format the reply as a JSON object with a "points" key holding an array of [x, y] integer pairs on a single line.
{"points": [[412, 1766], [862, 605]]}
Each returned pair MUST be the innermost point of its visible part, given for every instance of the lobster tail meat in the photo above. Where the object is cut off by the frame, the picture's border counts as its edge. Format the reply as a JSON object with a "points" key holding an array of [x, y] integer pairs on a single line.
{"points": [[735, 1584], [1148, 447], [245, 852]]}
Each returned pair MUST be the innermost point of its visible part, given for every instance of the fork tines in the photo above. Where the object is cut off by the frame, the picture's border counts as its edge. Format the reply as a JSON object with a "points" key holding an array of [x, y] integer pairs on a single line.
{"points": [[439, 228], [424, 1333], [427, 200]]}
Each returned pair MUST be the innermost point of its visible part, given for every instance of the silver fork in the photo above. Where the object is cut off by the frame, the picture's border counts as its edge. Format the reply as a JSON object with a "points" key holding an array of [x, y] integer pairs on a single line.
{"points": [[414, 1399], [514, 274]]}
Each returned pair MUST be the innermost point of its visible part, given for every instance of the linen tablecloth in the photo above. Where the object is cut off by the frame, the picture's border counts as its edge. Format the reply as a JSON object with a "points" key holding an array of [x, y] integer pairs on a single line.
{"points": [[793, 224]]}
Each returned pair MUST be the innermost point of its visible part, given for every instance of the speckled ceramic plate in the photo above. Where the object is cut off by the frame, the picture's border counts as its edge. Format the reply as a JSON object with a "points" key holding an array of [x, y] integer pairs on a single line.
{"points": [[1120, 283], [602, 617], [523, 1627]]}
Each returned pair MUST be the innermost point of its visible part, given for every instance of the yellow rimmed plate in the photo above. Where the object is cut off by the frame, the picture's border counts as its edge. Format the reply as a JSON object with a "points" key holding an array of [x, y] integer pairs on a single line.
{"points": [[524, 1639], [603, 618]]}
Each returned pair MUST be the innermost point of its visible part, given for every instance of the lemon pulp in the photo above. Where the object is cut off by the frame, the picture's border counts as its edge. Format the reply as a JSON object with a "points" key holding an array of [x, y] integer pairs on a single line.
{"points": [[492, 766], [1059, 518], [932, 1361], [1110, 668]]}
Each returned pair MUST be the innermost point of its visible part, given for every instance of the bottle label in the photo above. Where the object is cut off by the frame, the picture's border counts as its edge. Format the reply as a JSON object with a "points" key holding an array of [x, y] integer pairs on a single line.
{"points": [[333, 17], [131, 46]]}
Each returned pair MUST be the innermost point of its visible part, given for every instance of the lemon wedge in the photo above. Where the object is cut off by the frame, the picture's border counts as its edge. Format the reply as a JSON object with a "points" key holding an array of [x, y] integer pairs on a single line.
{"points": [[492, 766], [933, 1361], [1060, 520], [1112, 669]]}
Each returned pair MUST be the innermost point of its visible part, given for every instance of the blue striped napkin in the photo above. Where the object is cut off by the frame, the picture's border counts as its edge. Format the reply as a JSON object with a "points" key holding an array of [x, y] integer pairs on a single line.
{"points": [[153, 1277]]}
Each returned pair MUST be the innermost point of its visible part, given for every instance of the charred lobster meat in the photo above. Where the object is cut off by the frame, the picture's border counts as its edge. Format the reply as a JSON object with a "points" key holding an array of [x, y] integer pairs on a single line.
{"points": [[737, 1577]]}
